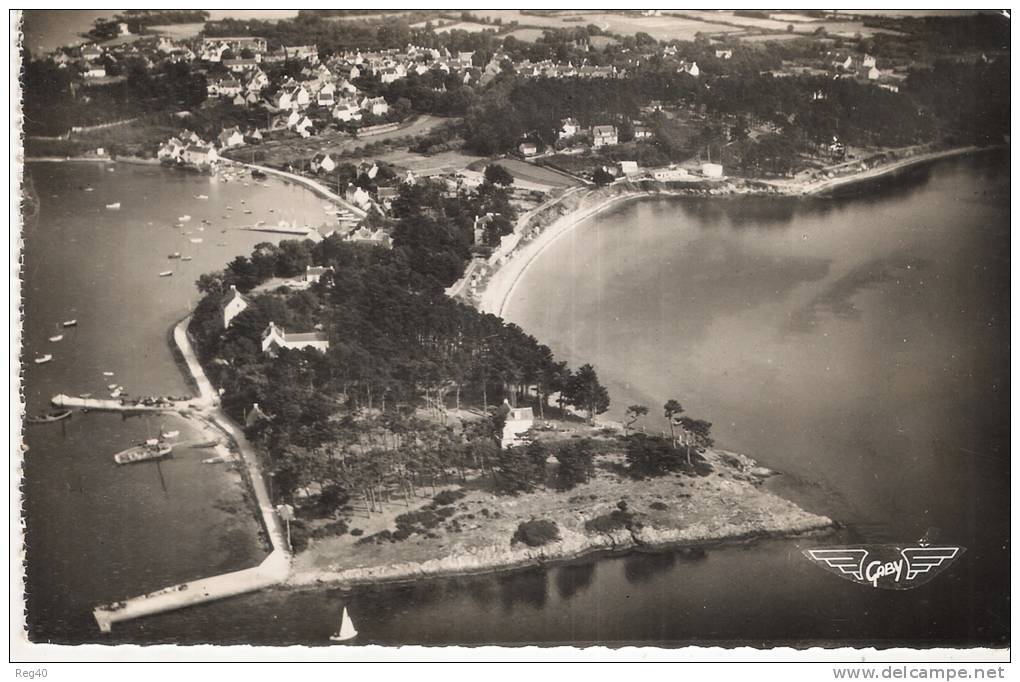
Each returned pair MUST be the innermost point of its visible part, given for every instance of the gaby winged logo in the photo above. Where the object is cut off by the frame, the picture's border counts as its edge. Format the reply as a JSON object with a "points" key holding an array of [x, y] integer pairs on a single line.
{"points": [[887, 567]]}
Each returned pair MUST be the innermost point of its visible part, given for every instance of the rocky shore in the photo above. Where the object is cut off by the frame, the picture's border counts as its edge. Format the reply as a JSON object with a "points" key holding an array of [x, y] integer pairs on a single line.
{"points": [[729, 504]]}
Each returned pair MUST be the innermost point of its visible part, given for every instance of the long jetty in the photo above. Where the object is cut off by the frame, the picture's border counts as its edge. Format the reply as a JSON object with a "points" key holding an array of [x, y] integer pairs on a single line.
{"points": [[61, 400], [274, 568]]}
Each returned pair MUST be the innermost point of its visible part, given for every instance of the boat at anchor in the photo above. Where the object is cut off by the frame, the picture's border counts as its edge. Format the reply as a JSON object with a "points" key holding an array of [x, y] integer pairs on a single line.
{"points": [[143, 453]]}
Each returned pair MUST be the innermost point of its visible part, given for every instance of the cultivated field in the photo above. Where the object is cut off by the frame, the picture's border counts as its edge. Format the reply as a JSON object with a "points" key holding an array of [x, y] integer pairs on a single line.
{"points": [[436, 164], [276, 152], [532, 173]]}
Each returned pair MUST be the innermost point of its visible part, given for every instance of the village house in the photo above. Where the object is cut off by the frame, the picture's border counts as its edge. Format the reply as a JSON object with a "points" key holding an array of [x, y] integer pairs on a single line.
{"points": [[326, 96], [232, 304], [367, 236], [199, 155], [314, 273], [95, 70], [230, 137], [568, 128], [670, 174], [308, 53], [240, 65], [347, 110], [528, 148], [642, 132], [602, 136], [223, 87], [357, 196], [712, 170], [519, 420], [723, 54], [274, 338], [386, 195], [322, 163], [376, 106], [628, 168]]}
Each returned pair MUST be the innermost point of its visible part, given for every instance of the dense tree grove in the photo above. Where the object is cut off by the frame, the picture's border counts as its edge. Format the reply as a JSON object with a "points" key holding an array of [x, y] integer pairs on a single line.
{"points": [[346, 418]]}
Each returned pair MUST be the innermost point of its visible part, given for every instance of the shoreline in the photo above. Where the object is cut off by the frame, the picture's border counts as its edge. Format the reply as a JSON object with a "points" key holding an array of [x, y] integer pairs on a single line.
{"points": [[402, 574], [502, 283], [576, 545]]}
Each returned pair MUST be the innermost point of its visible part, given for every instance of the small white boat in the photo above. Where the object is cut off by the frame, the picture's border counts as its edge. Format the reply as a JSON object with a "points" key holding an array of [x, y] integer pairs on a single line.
{"points": [[58, 337], [42, 359], [107, 374], [111, 386], [195, 240], [230, 208], [175, 254], [89, 189], [114, 206], [247, 211], [185, 257], [184, 218], [201, 229], [110, 170], [201, 196], [166, 273], [347, 630], [169, 434], [70, 323]]}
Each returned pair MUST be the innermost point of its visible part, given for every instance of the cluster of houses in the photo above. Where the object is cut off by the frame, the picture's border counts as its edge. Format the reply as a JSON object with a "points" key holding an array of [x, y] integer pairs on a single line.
{"points": [[233, 303]]}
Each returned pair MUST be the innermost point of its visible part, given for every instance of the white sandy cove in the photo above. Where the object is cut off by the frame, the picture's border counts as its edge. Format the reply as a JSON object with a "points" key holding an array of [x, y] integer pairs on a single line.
{"points": [[503, 282]]}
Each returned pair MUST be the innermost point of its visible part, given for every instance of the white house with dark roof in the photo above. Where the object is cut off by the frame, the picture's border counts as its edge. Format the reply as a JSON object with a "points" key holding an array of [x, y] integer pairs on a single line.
{"points": [[602, 136], [313, 273], [232, 304], [274, 338], [519, 420]]}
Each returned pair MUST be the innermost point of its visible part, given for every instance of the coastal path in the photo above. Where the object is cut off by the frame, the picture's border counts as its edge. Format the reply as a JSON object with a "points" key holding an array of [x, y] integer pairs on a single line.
{"points": [[274, 569], [309, 183]]}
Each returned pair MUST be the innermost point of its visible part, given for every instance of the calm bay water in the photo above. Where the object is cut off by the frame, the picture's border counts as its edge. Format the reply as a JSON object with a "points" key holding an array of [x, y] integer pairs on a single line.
{"points": [[860, 345], [95, 531]]}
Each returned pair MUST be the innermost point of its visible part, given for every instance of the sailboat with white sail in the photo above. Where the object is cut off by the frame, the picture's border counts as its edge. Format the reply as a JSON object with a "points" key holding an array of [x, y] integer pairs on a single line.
{"points": [[347, 630]]}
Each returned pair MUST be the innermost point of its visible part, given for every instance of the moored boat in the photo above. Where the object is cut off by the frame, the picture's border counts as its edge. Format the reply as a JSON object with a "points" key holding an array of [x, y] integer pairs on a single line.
{"points": [[184, 218], [43, 359], [58, 337], [143, 453], [175, 254], [166, 273], [47, 417], [114, 206], [185, 257], [195, 240], [71, 323]]}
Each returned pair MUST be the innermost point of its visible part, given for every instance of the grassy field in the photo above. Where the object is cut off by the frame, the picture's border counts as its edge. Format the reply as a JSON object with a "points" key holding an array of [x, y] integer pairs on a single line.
{"points": [[286, 149], [532, 173], [445, 162], [527, 35]]}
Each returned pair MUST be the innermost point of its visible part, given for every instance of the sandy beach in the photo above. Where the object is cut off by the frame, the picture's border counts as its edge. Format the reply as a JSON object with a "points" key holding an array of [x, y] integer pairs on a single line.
{"points": [[502, 283]]}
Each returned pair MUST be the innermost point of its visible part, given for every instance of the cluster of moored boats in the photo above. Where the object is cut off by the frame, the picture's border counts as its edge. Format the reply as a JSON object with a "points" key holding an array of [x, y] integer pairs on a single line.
{"points": [[48, 357]]}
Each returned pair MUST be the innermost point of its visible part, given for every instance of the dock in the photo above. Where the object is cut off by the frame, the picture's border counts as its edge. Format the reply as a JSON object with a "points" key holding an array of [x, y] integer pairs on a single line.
{"points": [[272, 570], [111, 405]]}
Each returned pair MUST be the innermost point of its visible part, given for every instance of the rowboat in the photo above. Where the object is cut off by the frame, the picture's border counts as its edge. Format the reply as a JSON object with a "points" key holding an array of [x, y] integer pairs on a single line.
{"points": [[195, 240], [107, 374], [47, 417], [58, 337], [175, 254], [113, 206], [185, 257], [111, 386], [71, 323], [166, 273], [201, 196], [43, 359], [143, 453]]}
